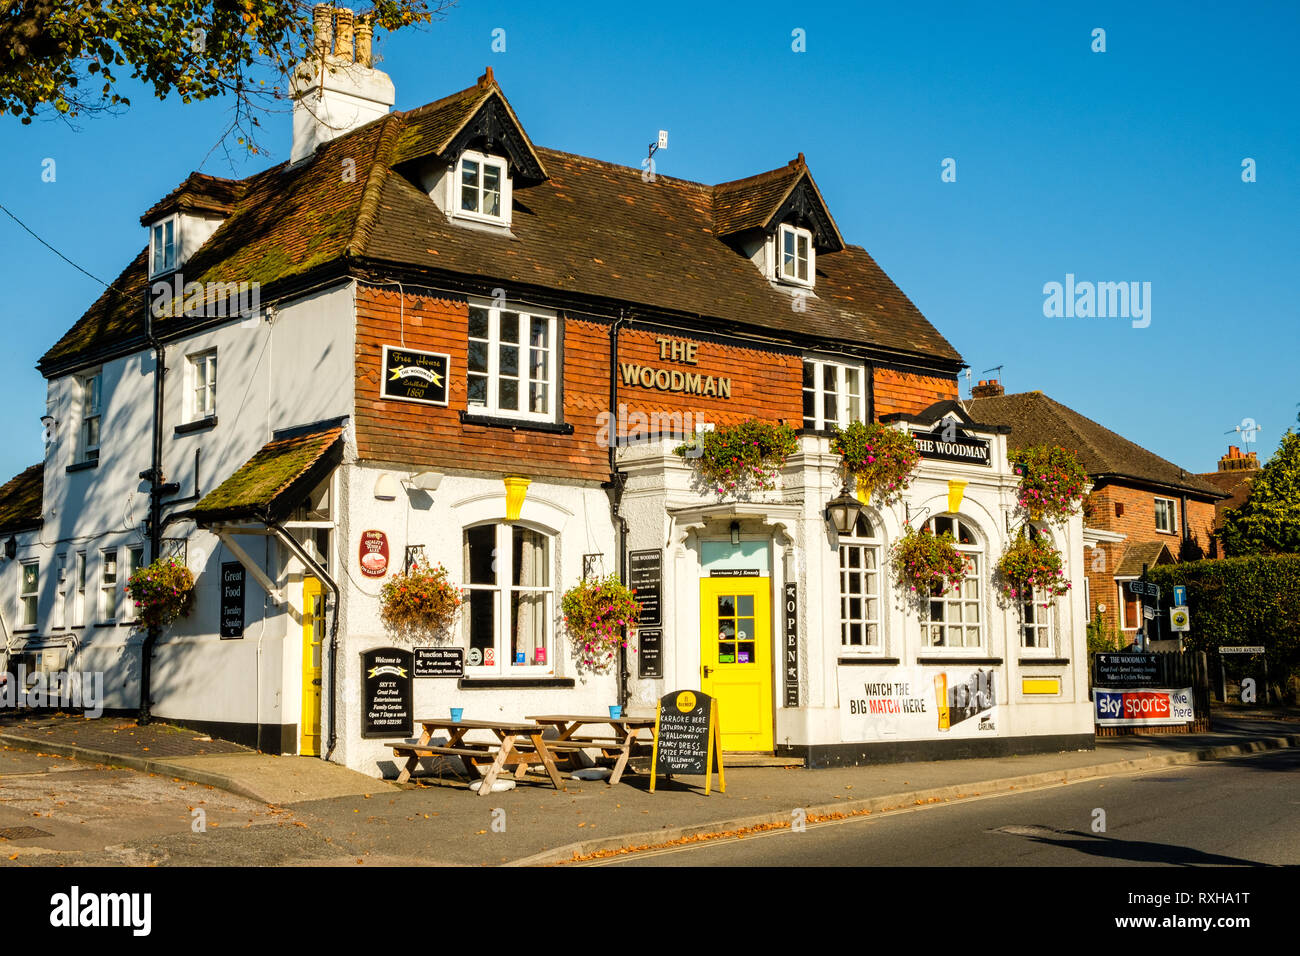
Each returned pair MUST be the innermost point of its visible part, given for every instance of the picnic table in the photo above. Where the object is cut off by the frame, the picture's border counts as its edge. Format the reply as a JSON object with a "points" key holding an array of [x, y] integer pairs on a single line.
{"points": [[616, 746], [517, 746]]}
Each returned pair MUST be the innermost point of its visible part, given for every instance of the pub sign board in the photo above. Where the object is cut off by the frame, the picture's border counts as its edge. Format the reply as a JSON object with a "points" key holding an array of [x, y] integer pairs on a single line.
{"points": [[650, 653], [414, 376], [232, 600], [386, 693], [440, 662], [1126, 670], [946, 443], [791, 651], [645, 578], [687, 738], [372, 554]]}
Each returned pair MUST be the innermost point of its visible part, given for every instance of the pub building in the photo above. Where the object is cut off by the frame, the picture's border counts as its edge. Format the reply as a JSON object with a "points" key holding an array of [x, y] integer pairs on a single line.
{"points": [[477, 351]]}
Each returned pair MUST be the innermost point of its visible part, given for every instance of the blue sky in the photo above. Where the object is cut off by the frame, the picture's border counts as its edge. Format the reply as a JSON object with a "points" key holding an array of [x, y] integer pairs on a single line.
{"points": [[1115, 166]]}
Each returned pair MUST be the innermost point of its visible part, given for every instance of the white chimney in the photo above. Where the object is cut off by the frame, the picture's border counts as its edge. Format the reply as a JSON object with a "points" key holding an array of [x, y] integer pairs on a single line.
{"points": [[336, 92]]}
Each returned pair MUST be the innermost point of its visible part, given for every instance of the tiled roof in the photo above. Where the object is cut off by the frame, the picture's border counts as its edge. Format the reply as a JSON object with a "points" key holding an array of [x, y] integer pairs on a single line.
{"points": [[273, 482], [1143, 552], [750, 203], [200, 193], [20, 500], [1235, 484], [1036, 419], [592, 228]]}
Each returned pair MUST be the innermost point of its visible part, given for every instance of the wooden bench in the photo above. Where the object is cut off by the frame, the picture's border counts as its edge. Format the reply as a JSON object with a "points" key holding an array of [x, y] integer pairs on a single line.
{"points": [[519, 746]]}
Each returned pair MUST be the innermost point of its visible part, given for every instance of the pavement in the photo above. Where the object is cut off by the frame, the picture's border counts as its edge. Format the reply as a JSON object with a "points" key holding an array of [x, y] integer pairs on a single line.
{"points": [[436, 821]]}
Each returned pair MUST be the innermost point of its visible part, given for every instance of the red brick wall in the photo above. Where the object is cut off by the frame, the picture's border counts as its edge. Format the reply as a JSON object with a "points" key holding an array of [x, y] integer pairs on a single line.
{"points": [[1139, 524], [910, 392], [764, 384]]}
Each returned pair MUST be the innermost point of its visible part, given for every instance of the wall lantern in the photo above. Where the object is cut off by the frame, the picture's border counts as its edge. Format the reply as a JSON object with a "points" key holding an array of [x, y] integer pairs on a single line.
{"points": [[386, 487], [516, 490], [843, 512], [11, 548]]}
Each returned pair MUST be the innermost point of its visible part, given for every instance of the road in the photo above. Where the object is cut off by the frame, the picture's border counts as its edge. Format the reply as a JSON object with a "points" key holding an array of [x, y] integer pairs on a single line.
{"points": [[1239, 812]]}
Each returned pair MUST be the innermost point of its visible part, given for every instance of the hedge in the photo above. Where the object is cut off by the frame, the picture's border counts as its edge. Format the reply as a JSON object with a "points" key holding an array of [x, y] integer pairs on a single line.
{"points": [[1247, 600]]}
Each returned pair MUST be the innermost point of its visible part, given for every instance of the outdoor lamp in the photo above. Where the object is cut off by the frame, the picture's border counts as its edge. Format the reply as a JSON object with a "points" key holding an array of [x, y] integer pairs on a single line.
{"points": [[843, 511]]}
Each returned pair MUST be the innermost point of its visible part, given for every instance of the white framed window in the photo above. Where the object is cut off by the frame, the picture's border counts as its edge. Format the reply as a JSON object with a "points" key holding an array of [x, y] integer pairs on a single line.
{"points": [[79, 592], [91, 403], [832, 393], [479, 189], [1166, 515], [203, 385], [509, 608], [860, 601], [955, 618], [1130, 607], [108, 585], [1035, 620], [795, 257], [162, 246], [134, 559], [28, 592], [511, 366], [58, 619]]}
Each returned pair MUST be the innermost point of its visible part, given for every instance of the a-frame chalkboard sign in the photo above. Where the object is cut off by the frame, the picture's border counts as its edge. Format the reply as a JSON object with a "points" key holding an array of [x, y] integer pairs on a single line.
{"points": [[687, 740]]}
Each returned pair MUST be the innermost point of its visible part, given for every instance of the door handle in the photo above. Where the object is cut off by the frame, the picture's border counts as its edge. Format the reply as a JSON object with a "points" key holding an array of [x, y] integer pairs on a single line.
{"points": [[316, 682], [706, 670]]}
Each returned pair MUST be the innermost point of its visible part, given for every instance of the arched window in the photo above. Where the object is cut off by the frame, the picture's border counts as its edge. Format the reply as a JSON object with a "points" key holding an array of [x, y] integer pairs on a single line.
{"points": [[506, 620], [954, 618], [1036, 620], [860, 588]]}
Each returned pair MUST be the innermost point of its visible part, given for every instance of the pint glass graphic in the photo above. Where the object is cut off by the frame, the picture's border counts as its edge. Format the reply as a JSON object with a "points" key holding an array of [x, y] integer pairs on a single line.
{"points": [[941, 699]]}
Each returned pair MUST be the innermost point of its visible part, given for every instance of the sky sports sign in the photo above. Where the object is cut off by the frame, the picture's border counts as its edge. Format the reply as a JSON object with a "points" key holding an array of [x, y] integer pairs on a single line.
{"points": [[1143, 708]]}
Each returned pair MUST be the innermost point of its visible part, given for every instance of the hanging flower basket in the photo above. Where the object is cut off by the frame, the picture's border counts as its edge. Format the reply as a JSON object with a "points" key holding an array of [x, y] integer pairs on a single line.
{"points": [[162, 591], [926, 564], [882, 459], [1052, 481], [734, 460], [420, 603], [597, 614], [1031, 563]]}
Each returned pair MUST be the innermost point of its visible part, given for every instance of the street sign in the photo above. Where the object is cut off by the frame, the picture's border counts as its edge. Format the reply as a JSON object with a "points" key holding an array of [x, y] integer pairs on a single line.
{"points": [[1144, 587], [1149, 613], [1242, 649], [1180, 595], [1179, 619]]}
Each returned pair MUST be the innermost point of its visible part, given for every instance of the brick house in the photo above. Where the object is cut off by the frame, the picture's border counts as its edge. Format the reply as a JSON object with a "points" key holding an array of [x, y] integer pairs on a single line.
{"points": [[466, 347], [1143, 510], [1233, 477]]}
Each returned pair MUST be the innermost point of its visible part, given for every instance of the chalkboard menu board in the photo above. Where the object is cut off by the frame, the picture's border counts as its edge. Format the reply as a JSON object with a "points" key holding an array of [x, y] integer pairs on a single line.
{"points": [[386, 693], [686, 738], [645, 578], [232, 600], [650, 653], [439, 662]]}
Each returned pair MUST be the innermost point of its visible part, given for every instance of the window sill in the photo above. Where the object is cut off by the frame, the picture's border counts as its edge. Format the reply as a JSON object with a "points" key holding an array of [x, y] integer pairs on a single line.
{"points": [[499, 683], [1170, 533], [25, 630], [528, 424], [82, 466], [200, 425], [954, 659], [1044, 661], [868, 660]]}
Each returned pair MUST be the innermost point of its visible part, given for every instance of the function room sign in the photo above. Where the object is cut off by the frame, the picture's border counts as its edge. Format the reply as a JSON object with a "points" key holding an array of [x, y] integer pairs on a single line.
{"points": [[412, 376], [949, 443]]}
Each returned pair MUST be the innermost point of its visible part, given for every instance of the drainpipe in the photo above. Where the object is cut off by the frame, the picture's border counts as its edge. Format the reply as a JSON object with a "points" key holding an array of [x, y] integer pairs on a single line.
{"points": [[616, 482], [301, 554]]}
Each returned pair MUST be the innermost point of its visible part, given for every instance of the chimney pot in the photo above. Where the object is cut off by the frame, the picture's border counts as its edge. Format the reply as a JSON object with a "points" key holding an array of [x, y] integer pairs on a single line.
{"points": [[322, 20], [343, 34], [988, 388], [365, 35]]}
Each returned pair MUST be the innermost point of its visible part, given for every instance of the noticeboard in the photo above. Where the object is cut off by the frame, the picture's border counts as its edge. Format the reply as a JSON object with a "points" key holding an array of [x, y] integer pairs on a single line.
{"points": [[650, 653], [386, 693], [645, 578], [232, 600], [686, 738], [439, 662]]}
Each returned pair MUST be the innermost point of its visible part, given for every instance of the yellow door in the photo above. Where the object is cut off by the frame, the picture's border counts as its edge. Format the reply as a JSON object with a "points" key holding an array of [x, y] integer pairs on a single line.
{"points": [[313, 631], [735, 656]]}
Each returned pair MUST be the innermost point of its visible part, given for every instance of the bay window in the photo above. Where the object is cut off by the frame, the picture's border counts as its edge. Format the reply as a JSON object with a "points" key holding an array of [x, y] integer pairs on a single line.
{"points": [[509, 600], [511, 365]]}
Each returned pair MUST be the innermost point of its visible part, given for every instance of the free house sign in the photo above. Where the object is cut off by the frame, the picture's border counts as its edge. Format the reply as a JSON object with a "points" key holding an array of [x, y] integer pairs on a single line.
{"points": [[413, 376]]}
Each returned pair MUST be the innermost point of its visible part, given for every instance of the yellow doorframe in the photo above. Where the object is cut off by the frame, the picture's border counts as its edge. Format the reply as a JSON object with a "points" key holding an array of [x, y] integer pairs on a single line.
{"points": [[736, 658], [313, 631]]}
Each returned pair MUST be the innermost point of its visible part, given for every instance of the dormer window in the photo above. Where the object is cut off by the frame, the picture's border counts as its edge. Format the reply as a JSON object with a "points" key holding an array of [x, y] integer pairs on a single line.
{"points": [[795, 255], [162, 246], [481, 189]]}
